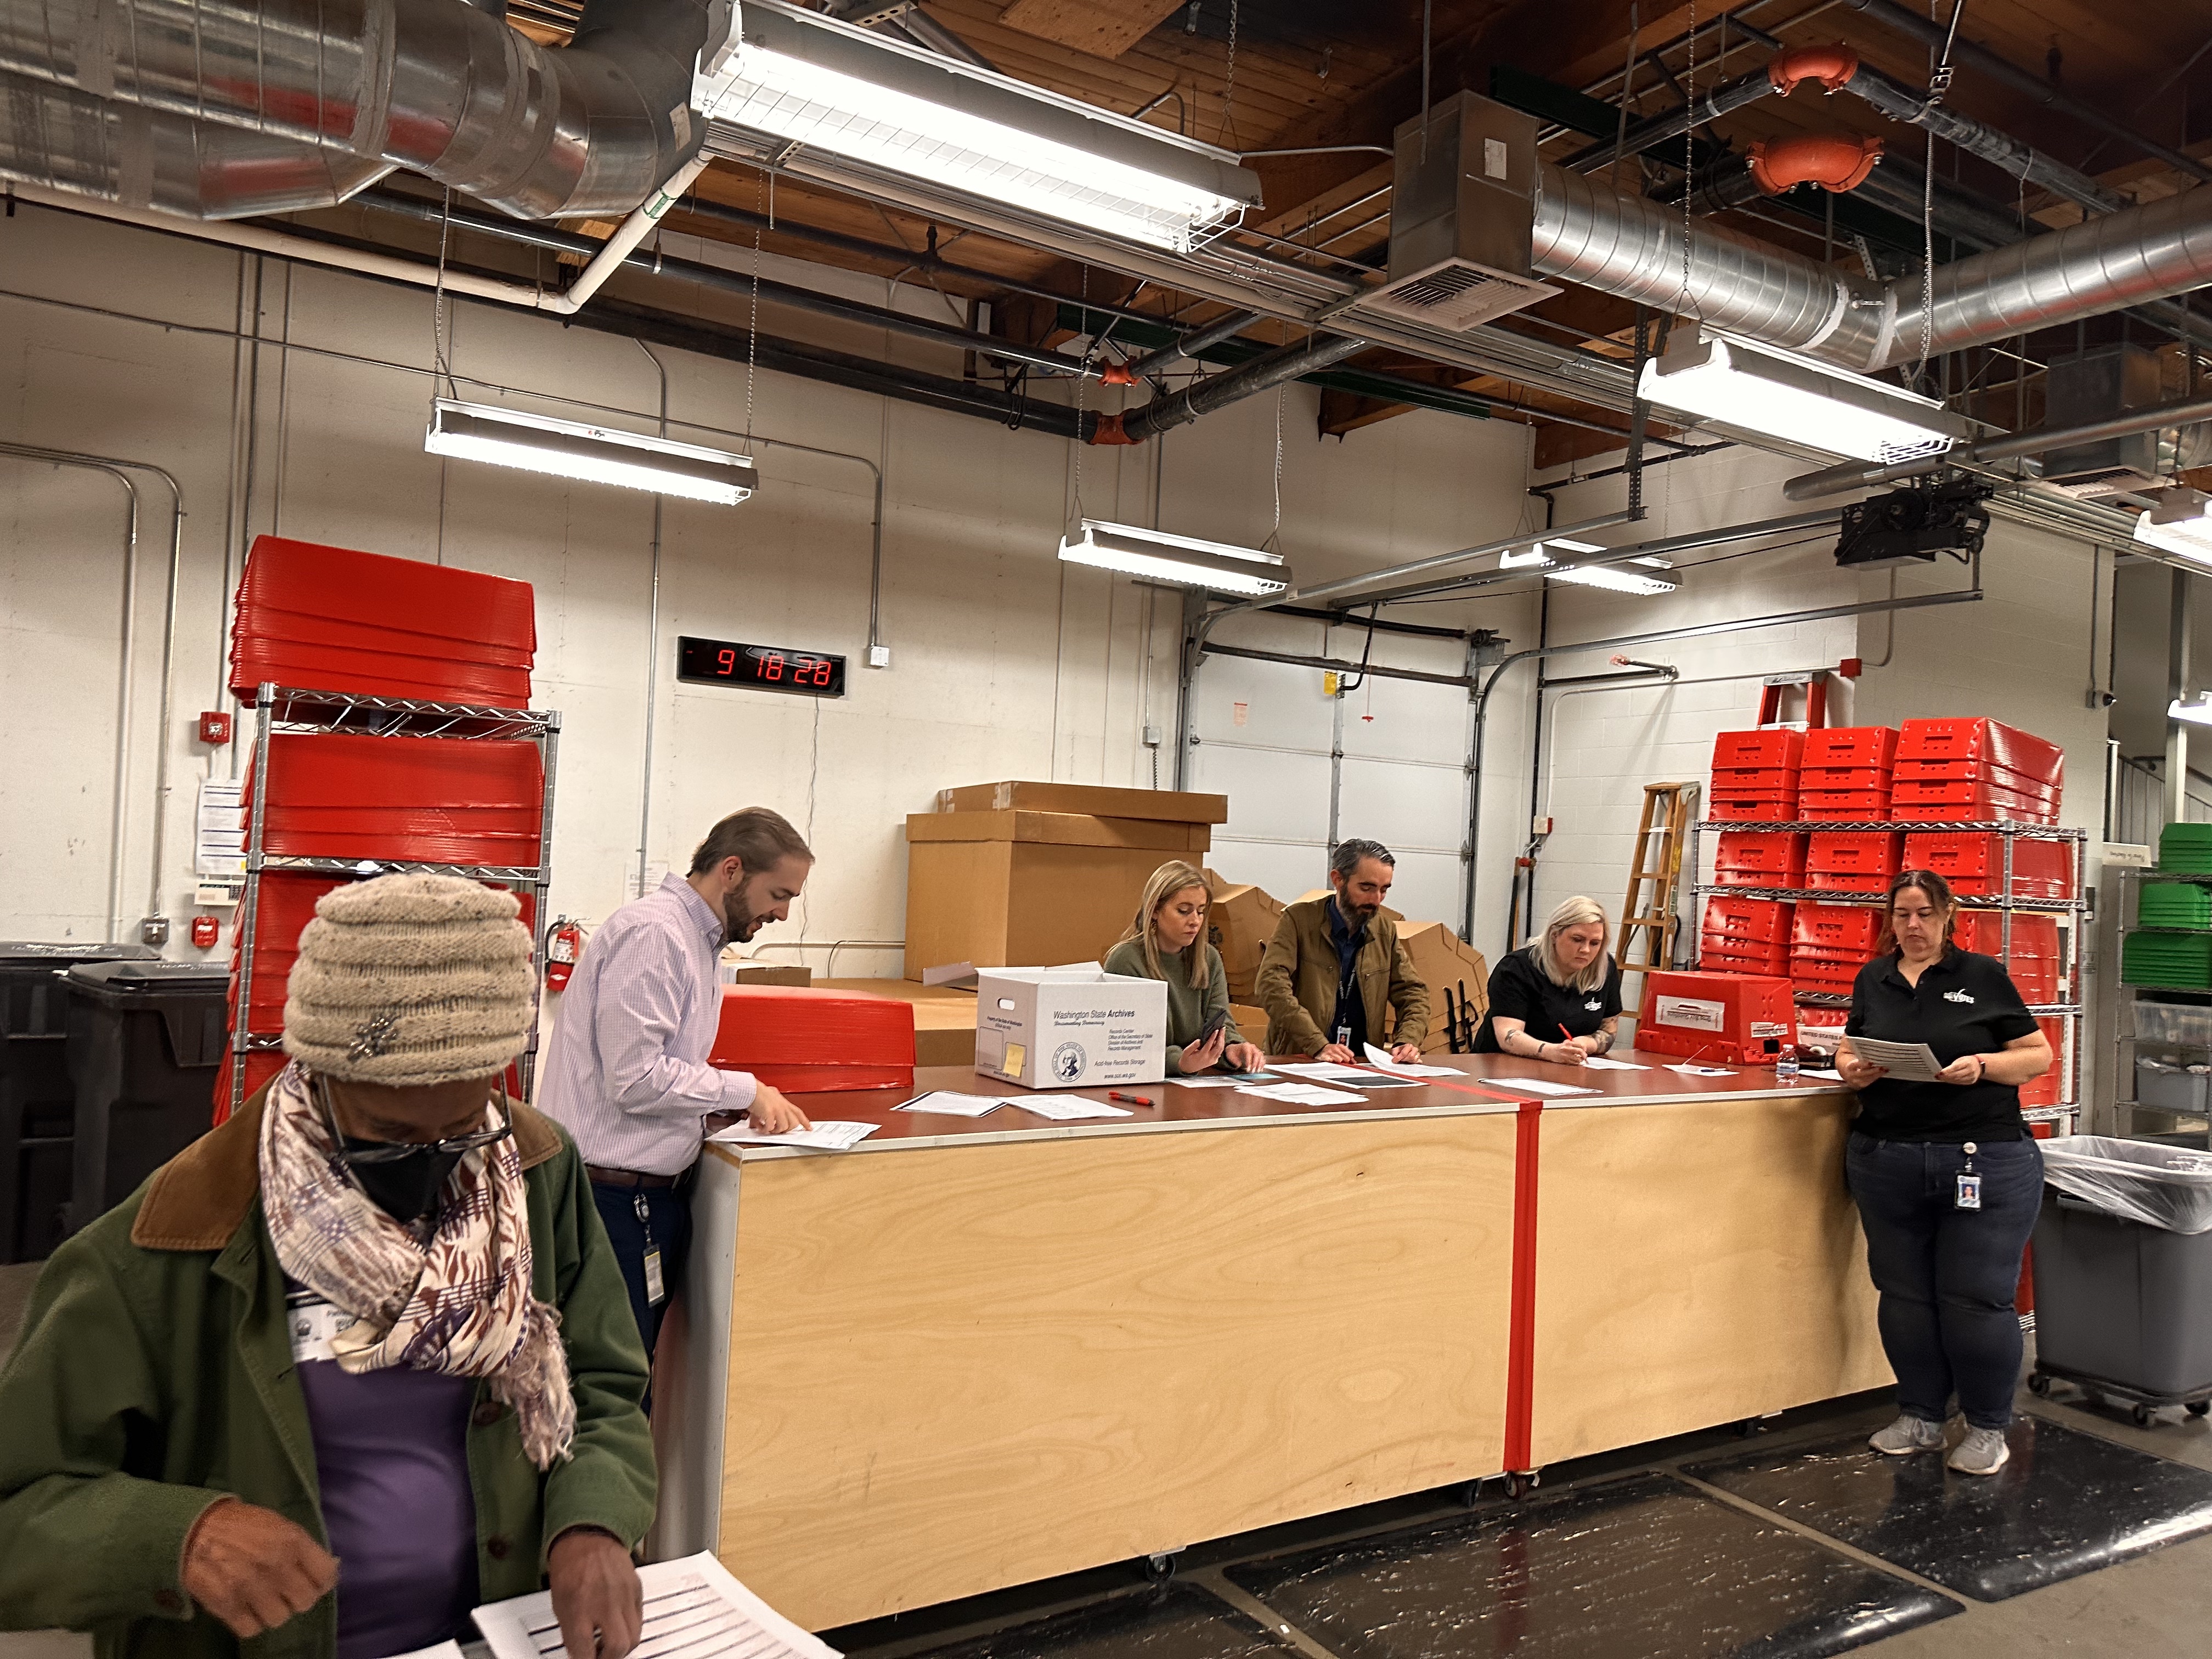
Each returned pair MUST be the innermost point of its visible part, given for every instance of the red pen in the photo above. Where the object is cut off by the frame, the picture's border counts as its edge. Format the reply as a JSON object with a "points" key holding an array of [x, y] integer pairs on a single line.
{"points": [[1127, 1100]]}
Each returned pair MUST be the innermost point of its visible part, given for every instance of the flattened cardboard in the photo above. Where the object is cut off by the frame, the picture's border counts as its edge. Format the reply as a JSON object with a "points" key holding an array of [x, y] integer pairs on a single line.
{"points": [[1240, 921], [1174, 805], [1442, 959]]}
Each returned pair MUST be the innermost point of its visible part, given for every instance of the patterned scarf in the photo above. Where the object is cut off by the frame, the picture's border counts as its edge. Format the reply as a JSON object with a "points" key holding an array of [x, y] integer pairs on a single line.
{"points": [[459, 1304]]}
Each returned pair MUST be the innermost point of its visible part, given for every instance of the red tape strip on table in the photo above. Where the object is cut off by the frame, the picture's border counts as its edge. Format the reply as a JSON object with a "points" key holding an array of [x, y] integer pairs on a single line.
{"points": [[1521, 1321]]}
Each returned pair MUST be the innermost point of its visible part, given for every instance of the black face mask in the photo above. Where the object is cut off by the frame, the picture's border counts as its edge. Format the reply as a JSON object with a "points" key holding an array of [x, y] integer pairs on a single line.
{"points": [[405, 1188]]}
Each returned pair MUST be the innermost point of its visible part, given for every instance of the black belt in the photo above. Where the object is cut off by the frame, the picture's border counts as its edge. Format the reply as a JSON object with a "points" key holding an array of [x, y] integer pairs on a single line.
{"points": [[626, 1178]]}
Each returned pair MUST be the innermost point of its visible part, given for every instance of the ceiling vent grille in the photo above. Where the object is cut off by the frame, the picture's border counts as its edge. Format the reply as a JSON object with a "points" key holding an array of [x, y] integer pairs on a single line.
{"points": [[1463, 217]]}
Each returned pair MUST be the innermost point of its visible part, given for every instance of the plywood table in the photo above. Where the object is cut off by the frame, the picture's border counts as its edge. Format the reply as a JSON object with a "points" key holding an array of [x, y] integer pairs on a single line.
{"points": [[974, 1352]]}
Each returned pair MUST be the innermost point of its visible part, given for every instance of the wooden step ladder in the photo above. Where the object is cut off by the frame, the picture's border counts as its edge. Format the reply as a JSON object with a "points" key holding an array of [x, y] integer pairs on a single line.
{"points": [[1648, 921]]}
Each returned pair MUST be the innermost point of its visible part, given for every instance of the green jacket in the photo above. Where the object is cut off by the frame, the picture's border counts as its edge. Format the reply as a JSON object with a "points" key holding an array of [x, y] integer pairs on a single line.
{"points": [[1298, 976], [1188, 1005], [155, 1374]]}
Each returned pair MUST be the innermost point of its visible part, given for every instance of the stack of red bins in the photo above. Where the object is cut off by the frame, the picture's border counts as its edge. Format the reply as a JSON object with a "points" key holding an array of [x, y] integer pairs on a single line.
{"points": [[1851, 861], [1759, 858], [803, 1041], [332, 619], [2032, 960], [1973, 862], [1755, 776], [1828, 945], [1975, 770], [1847, 774], [1745, 936]]}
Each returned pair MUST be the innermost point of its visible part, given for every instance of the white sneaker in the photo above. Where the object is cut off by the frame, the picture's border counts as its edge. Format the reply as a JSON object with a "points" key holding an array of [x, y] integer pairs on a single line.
{"points": [[1908, 1434], [1983, 1451]]}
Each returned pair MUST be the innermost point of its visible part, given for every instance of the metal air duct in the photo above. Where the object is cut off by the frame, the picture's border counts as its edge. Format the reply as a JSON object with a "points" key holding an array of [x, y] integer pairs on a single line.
{"points": [[437, 85]]}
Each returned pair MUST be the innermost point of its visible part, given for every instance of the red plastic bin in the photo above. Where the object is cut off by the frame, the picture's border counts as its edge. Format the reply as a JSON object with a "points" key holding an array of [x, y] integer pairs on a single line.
{"points": [[1751, 921], [1774, 747], [1751, 809], [1765, 953], [333, 618], [1927, 802], [428, 799], [1972, 861], [1988, 740], [1750, 967], [1873, 747], [1777, 856], [1843, 806], [1982, 930], [1718, 1018], [1855, 860], [1836, 928], [1754, 780], [1861, 779], [803, 1041]]}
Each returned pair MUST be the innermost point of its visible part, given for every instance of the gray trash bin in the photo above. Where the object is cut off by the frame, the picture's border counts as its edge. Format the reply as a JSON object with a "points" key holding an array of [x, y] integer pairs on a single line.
{"points": [[2123, 1273]]}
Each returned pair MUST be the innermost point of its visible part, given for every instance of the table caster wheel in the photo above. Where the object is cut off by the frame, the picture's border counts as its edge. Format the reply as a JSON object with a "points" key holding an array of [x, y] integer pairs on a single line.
{"points": [[2039, 1385], [1158, 1569], [2198, 1407], [2143, 1416]]}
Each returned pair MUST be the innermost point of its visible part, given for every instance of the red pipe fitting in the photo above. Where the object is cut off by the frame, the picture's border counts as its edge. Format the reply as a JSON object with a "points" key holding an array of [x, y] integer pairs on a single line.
{"points": [[1831, 66], [1829, 160], [1116, 374], [1107, 429]]}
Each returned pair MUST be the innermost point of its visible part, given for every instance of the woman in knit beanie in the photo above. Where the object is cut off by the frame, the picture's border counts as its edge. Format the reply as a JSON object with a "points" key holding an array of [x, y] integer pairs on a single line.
{"points": [[383, 1258]]}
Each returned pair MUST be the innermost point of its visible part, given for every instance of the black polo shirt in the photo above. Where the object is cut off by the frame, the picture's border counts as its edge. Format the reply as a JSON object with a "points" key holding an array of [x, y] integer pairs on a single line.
{"points": [[1521, 989], [1965, 1003]]}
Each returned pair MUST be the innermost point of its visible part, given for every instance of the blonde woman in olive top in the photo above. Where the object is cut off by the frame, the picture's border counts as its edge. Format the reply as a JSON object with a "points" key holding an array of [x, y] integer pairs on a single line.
{"points": [[1167, 942]]}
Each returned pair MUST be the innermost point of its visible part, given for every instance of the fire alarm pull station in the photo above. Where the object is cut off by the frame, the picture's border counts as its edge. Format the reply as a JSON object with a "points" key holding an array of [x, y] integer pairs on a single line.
{"points": [[214, 728], [204, 929]]}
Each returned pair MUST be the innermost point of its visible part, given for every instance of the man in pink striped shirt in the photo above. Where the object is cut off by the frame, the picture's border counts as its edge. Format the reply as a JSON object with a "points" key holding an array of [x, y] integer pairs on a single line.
{"points": [[627, 1072]]}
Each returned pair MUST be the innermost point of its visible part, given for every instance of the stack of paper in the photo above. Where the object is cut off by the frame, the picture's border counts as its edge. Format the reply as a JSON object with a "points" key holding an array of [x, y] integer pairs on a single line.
{"points": [[1382, 1062], [1307, 1094], [822, 1138], [1537, 1085], [693, 1608], [1062, 1108]]}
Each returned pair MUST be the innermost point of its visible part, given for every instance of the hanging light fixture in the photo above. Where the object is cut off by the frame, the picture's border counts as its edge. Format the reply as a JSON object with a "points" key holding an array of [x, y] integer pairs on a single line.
{"points": [[597, 454], [1785, 396], [2180, 523], [1537, 559], [2198, 711], [1216, 566], [807, 79]]}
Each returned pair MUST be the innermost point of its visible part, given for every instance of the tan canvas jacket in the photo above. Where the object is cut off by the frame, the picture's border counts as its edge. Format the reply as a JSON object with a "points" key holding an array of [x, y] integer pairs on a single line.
{"points": [[1298, 977]]}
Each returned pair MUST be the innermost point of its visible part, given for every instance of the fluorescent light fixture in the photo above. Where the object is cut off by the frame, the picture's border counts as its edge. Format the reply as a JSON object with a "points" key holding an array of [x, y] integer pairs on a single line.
{"points": [[807, 79], [2180, 523], [599, 454], [1786, 395], [2198, 711], [1136, 551], [1537, 559]]}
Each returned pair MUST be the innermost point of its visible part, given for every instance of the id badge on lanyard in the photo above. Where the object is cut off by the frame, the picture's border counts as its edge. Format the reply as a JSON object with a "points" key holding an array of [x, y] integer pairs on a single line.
{"points": [[1970, 1184], [656, 1288]]}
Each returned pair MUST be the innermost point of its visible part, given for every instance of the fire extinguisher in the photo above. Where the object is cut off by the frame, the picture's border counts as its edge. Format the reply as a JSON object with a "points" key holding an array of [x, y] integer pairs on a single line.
{"points": [[563, 944]]}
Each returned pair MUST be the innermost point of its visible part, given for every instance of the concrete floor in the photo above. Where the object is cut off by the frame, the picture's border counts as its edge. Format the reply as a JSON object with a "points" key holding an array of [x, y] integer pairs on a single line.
{"points": [[2157, 1607]]}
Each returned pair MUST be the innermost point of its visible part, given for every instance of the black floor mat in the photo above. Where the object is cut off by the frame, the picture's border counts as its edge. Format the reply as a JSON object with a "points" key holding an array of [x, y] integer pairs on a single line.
{"points": [[1643, 1568], [2067, 1503], [1176, 1621]]}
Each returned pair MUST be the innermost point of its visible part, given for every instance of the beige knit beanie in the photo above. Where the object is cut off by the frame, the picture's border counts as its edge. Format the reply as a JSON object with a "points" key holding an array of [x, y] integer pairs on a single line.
{"points": [[409, 979]]}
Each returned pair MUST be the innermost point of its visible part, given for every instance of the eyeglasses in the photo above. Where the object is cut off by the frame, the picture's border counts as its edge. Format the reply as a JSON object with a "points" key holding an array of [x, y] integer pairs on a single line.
{"points": [[392, 1151]]}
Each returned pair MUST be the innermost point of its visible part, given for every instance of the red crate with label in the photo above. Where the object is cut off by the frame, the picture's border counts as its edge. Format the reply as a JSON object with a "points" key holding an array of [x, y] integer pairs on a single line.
{"points": [[1719, 1019], [1972, 861], [1866, 746], [1990, 742], [1855, 860], [803, 1041]]}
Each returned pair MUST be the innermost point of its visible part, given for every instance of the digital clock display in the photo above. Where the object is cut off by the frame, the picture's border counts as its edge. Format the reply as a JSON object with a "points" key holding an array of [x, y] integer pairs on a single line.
{"points": [[763, 667]]}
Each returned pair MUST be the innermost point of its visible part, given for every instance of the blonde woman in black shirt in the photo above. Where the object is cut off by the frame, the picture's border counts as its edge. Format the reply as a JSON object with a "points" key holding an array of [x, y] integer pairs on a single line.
{"points": [[1557, 1000], [1948, 1179]]}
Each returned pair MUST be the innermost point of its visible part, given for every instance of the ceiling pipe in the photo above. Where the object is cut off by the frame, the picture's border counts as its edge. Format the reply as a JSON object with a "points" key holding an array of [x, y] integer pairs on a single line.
{"points": [[1190, 345], [1656, 129], [1903, 20], [1809, 486], [436, 86], [1270, 369]]}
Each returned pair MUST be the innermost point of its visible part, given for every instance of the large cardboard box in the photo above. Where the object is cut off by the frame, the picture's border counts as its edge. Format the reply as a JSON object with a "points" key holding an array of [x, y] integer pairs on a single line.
{"points": [[1070, 1027], [1240, 921], [1169, 805], [1063, 888], [1251, 1019], [1443, 961]]}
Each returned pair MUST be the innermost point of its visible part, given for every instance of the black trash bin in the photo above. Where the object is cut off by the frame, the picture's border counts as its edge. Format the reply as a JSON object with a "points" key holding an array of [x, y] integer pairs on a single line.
{"points": [[38, 1104], [144, 1041]]}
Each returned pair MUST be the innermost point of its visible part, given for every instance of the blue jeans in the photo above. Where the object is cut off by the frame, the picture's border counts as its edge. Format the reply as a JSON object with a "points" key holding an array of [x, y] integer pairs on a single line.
{"points": [[668, 1213], [1947, 1276]]}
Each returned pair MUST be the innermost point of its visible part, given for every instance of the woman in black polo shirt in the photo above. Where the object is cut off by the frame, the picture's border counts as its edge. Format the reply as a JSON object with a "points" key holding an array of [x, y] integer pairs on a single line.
{"points": [[1946, 1177], [1557, 999]]}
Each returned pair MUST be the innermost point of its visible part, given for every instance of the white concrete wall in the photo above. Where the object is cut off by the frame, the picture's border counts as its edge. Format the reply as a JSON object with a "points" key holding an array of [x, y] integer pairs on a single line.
{"points": [[1005, 664]]}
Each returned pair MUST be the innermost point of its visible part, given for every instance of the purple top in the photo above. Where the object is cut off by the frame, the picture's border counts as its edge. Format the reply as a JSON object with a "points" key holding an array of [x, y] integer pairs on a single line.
{"points": [[392, 1457]]}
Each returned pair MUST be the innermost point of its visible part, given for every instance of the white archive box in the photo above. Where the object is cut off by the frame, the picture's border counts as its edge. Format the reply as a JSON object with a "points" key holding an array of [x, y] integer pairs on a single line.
{"points": [[1057, 1028]]}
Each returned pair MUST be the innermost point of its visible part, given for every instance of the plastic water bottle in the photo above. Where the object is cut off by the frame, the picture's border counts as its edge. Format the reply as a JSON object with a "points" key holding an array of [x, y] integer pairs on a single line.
{"points": [[1785, 1064]]}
